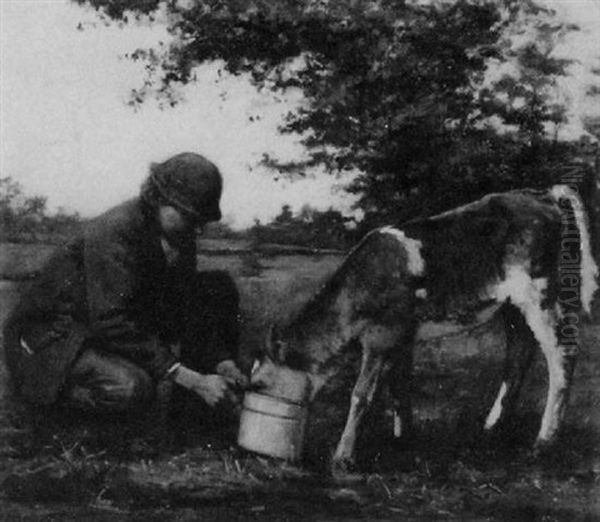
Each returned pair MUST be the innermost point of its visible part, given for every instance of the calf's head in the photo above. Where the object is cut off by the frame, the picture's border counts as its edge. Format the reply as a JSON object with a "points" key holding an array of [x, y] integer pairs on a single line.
{"points": [[272, 377]]}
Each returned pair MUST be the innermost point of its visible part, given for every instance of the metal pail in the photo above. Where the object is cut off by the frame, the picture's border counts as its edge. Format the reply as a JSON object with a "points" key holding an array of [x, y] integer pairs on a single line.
{"points": [[272, 426]]}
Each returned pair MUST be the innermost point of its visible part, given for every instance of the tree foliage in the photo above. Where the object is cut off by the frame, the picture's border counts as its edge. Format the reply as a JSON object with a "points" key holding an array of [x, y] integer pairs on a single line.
{"points": [[394, 89], [310, 227], [26, 218]]}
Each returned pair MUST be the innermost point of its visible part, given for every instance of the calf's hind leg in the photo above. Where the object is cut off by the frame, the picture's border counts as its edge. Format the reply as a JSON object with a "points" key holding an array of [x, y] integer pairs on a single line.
{"points": [[520, 351], [400, 386], [560, 361]]}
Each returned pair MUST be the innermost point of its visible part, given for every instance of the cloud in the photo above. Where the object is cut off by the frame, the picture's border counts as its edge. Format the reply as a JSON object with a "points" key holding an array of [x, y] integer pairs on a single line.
{"points": [[68, 133]]}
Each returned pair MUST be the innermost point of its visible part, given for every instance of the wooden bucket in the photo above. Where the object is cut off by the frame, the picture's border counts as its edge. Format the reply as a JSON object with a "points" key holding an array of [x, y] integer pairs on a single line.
{"points": [[272, 426]]}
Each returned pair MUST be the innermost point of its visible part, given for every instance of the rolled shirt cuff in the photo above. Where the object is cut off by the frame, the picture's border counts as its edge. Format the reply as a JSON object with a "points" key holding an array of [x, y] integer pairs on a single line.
{"points": [[172, 371]]}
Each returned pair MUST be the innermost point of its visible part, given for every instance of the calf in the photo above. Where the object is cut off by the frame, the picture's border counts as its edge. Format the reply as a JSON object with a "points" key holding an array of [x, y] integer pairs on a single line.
{"points": [[525, 253]]}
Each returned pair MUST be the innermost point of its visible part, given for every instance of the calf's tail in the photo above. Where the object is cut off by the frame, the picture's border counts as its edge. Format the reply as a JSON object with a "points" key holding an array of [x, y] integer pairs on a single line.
{"points": [[588, 266]]}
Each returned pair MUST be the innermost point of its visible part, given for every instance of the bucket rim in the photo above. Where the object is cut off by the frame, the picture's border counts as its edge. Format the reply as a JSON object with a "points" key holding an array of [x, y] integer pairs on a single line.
{"points": [[273, 398]]}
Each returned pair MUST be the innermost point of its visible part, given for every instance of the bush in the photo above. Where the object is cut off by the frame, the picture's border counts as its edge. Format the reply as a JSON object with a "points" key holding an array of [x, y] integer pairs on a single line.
{"points": [[310, 228], [25, 219]]}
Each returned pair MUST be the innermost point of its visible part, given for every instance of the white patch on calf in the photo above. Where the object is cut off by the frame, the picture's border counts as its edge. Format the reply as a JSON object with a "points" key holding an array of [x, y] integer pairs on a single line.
{"points": [[397, 425], [589, 268], [26, 347], [416, 264], [527, 295], [496, 410], [558, 311]]}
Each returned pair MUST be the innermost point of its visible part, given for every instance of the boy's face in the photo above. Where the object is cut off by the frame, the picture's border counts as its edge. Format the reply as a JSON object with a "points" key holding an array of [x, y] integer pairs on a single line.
{"points": [[176, 226]]}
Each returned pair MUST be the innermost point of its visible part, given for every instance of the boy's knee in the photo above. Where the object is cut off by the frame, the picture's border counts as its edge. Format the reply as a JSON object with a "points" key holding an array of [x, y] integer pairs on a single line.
{"points": [[112, 387], [130, 387]]}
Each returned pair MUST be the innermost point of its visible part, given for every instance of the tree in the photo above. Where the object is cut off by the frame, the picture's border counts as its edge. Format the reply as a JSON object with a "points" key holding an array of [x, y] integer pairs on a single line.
{"points": [[285, 216], [25, 218], [394, 89], [19, 212], [309, 227], [10, 191]]}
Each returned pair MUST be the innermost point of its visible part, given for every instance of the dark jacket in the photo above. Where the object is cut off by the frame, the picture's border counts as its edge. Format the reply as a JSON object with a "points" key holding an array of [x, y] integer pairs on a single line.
{"points": [[109, 288]]}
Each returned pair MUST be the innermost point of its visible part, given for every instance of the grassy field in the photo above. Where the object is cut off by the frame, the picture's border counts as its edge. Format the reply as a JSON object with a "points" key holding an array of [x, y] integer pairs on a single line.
{"points": [[53, 472]]}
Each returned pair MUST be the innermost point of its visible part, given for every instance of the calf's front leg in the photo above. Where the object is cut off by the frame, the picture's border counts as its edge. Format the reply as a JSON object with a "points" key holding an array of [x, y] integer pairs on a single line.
{"points": [[362, 397]]}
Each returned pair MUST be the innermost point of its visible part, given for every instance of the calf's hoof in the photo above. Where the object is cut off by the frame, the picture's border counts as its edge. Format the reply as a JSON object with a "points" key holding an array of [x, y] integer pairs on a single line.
{"points": [[404, 440], [343, 470], [542, 449], [494, 437]]}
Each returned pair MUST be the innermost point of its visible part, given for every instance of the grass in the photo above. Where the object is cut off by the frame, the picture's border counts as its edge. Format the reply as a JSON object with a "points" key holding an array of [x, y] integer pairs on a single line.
{"points": [[438, 476], [55, 468]]}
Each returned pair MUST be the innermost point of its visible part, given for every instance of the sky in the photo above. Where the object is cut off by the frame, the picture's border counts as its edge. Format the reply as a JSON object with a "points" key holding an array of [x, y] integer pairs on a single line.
{"points": [[66, 131]]}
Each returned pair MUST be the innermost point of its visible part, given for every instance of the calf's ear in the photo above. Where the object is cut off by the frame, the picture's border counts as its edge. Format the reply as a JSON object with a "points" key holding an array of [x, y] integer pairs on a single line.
{"points": [[273, 346]]}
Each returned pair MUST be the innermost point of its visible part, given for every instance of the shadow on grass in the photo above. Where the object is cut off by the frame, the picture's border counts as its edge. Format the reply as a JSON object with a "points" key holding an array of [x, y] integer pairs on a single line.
{"points": [[123, 463]]}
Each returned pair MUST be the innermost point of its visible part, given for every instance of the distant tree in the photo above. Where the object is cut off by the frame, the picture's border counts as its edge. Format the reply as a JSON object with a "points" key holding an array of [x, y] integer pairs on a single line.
{"points": [[25, 218], [19, 213], [285, 216], [394, 89], [309, 227], [220, 230], [10, 191]]}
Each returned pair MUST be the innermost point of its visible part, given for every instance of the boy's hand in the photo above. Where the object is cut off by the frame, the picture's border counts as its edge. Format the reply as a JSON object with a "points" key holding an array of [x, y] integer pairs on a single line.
{"points": [[232, 374], [214, 389]]}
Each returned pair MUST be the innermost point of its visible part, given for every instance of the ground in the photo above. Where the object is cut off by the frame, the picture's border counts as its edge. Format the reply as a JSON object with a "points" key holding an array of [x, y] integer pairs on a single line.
{"points": [[158, 468]]}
